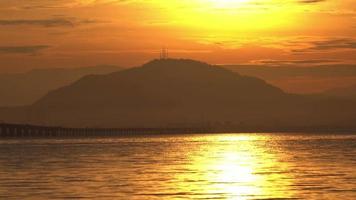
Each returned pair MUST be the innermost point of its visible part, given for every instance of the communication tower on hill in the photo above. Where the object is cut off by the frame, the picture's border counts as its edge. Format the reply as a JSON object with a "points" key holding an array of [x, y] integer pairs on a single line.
{"points": [[164, 54]]}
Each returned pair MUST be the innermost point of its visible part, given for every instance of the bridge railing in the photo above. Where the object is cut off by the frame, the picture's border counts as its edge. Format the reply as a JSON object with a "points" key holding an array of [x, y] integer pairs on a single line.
{"points": [[18, 130]]}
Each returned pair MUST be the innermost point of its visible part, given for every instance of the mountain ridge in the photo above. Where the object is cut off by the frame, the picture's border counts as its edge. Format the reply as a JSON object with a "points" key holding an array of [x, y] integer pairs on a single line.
{"points": [[181, 92], [18, 89]]}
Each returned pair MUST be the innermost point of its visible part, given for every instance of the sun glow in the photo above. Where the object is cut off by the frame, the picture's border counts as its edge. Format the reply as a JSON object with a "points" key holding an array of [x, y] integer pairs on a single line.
{"points": [[227, 23], [228, 3], [229, 16]]}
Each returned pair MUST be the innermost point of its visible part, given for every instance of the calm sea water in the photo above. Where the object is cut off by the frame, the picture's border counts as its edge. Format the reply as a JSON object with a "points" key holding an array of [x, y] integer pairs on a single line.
{"points": [[225, 166]]}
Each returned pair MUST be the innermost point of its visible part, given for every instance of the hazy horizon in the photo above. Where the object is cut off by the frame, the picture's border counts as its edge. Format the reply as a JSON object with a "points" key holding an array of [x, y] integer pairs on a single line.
{"points": [[24, 88]]}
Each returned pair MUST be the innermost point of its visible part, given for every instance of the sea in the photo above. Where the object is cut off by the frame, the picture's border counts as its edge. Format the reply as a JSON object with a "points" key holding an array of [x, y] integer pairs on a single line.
{"points": [[242, 166]]}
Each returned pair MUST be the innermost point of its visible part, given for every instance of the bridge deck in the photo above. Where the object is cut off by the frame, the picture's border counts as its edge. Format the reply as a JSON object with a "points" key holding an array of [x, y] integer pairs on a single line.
{"points": [[16, 130]]}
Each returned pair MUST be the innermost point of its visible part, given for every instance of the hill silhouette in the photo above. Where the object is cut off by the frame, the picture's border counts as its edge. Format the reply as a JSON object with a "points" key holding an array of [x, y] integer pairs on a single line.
{"points": [[343, 92], [25, 88], [180, 93], [301, 79]]}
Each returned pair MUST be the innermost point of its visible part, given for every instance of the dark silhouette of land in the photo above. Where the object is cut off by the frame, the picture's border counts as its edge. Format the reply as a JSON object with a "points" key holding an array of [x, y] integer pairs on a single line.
{"points": [[342, 92], [301, 79], [25, 88], [275, 72], [171, 93]]}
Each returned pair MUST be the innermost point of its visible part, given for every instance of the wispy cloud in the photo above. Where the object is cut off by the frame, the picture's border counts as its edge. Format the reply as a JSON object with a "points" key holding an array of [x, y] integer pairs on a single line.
{"points": [[330, 44], [32, 49], [37, 22], [53, 4], [310, 1], [307, 62], [55, 22]]}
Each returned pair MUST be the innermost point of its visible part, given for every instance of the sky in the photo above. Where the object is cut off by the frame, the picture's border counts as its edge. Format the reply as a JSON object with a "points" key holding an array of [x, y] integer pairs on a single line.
{"points": [[72, 33]]}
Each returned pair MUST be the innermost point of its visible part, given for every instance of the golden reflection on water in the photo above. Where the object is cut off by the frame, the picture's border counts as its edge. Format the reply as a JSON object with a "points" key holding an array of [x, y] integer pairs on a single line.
{"points": [[237, 167], [226, 166]]}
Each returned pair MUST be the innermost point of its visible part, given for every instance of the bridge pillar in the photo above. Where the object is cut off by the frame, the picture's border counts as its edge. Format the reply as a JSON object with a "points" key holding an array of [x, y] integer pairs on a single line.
{"points": [[35, 132], [16, 131], [27, 132], [43, 132], [22, 132]]}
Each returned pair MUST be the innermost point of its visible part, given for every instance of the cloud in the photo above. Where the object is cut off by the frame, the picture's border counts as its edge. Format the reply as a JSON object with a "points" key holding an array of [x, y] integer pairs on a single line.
{"points": [[329, 45], [55, 22], [311, 1], [33, 49], [54, 4], [37, 22], [307, 62]]}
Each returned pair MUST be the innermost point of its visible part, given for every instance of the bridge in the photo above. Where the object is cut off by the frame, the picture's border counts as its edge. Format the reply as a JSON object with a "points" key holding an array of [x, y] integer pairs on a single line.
{"points": [[29, 131], [23, 130]]}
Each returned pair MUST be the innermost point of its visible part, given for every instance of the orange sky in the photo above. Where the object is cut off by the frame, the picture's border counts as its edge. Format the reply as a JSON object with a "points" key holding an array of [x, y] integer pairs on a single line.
{"points": [[72, 33]]}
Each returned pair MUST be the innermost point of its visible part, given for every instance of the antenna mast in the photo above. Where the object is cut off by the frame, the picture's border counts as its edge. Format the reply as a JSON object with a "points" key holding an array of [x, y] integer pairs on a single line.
{"points": [[164, 54]]}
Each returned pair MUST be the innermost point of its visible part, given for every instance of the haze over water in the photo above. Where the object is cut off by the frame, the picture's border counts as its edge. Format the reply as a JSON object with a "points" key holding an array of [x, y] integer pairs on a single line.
{"points": [[225, 166]]}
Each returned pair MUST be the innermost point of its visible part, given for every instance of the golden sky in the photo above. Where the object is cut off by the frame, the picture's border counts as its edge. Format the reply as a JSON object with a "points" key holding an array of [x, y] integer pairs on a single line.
{"points": [[68, 33]]}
